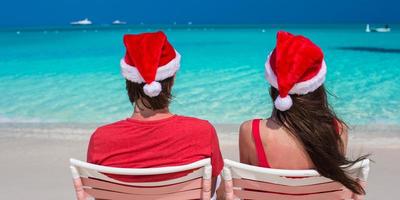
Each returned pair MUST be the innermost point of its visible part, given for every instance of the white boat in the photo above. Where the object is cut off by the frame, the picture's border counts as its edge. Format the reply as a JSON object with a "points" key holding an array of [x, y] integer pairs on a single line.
{"points": [[383, 30], [118, 22], [380, 30], [367, 29], [85, 21]]}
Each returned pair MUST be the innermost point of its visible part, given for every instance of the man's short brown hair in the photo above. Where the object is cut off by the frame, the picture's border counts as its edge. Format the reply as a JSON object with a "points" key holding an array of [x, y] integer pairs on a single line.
{"points": [[136, 93]]}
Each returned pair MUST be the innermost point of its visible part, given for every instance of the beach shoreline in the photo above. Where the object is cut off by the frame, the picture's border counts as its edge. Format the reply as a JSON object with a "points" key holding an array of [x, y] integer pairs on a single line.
{"points": [[375, 135], [35, 157]]}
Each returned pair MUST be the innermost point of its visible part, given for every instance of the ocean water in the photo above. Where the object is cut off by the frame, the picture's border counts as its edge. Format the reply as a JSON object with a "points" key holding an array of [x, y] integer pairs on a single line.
{"points": [[72, 75]]}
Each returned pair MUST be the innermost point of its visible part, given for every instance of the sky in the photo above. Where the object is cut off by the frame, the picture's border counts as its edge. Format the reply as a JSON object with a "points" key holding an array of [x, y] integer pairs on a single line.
{"points": [[61, 12]]}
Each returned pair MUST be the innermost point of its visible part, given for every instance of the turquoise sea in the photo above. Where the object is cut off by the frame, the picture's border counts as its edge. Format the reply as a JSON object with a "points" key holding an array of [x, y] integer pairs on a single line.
{"points": [[69, 74]]}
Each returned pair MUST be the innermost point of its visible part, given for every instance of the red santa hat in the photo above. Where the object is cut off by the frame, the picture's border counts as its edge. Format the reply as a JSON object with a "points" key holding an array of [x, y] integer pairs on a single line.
{"points": [[295, 66], [149, 58]]}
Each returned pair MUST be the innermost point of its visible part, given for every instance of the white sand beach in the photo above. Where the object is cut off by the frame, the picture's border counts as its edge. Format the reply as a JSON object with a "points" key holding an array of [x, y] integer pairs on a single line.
{"points": [[34, 159]]}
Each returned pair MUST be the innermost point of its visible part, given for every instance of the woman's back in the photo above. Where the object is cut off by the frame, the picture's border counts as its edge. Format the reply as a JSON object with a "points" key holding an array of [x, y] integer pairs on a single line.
{"points": [[279, 148]]}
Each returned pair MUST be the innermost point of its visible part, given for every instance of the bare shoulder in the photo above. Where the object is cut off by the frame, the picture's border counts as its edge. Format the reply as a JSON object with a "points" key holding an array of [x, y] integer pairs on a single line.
{"points": [[344, 135], [245, 130], [245, 136], [245, 142], [343, 130], [246, 125]]}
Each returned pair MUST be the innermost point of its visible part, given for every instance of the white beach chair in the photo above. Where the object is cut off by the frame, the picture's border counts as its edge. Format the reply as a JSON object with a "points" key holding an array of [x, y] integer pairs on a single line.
{"points": [[251, 182], [90, 182]]}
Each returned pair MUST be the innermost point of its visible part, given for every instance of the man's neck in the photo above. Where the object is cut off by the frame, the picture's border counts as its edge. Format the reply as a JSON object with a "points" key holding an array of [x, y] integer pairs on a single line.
{"points": [[149, 115]]}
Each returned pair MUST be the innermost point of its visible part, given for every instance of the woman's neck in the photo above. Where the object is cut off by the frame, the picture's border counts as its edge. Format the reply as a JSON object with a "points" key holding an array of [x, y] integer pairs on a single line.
{"points": [[149, 115], [274, 117]]}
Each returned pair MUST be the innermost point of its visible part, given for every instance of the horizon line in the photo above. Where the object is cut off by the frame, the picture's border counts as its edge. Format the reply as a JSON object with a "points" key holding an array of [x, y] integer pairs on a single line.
{"points": [[169, 25]]}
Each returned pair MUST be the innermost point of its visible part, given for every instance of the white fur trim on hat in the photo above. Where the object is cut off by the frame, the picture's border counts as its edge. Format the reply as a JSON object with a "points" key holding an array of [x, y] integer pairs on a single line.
{"points": [[283, 104], [301, 87], [163, 72], [153, 89]]}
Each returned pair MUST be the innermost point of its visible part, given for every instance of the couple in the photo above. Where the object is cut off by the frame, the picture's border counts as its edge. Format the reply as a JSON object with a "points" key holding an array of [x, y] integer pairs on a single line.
{"points": [[302, 132]]}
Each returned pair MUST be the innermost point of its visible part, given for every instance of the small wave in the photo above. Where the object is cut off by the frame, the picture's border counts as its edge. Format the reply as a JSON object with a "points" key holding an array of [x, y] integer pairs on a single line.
{"points": [[4, 119], [47, 130]]}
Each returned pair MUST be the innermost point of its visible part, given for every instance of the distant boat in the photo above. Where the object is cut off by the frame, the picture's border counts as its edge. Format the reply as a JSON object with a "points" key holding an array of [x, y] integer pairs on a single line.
{"points": [[85, 21], [380, 30], [118, 22]]}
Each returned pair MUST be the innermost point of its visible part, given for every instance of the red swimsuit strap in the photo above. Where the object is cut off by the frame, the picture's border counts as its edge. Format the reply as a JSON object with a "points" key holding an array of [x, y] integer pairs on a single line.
{"points": [[261, 155]]}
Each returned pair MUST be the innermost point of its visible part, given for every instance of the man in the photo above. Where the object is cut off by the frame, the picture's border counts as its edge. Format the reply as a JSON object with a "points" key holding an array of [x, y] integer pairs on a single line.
{"points": [[153, 136]]}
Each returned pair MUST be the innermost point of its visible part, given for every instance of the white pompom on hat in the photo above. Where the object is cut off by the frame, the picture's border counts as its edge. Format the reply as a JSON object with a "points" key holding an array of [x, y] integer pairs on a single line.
{"points": [[283, 104], [149, 58], [295, 66], [153, 89]]}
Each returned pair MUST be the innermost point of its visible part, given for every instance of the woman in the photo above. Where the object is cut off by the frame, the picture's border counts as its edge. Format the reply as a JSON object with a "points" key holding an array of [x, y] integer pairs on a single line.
{"points": [[302, 132]]}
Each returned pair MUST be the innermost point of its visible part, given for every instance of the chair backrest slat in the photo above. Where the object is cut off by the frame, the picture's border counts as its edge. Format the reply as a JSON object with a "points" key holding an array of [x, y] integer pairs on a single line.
{"points": [[179, 187], [89, 180], [275, 179], [251, 182], [105, 194], [255, 195], [84, 172], [270, 187]]}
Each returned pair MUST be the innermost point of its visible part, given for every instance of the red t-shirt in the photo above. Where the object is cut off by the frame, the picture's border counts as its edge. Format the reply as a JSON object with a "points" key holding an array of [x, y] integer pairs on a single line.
{"points": [[173, 141]]}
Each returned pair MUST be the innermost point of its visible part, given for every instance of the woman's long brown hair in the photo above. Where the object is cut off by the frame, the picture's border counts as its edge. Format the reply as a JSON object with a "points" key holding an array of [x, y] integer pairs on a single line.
{"points": [[312, 122]]}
